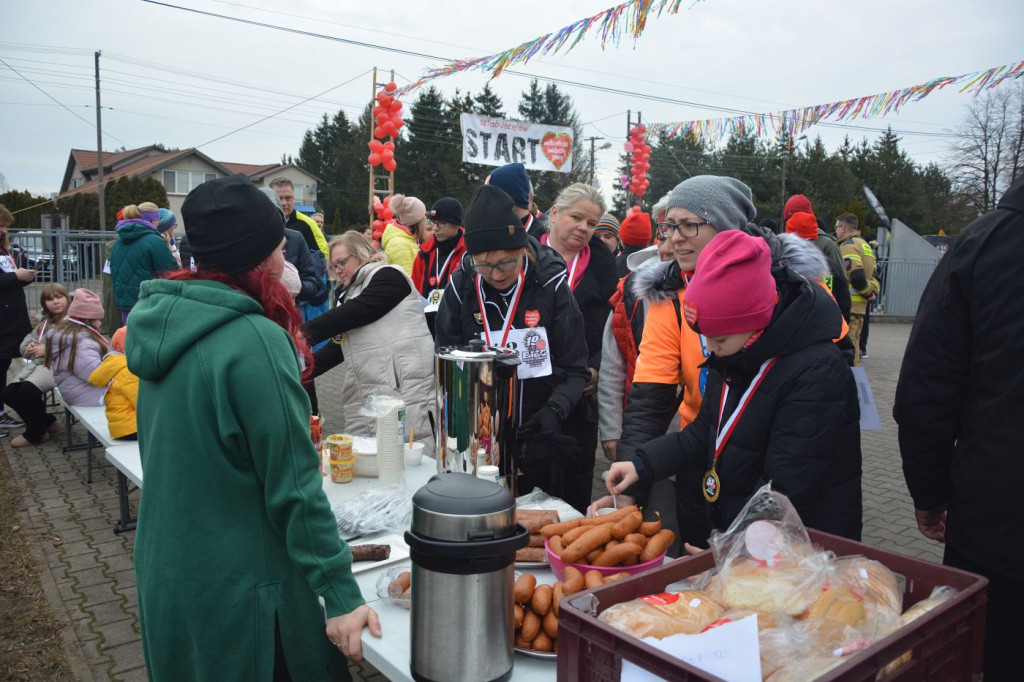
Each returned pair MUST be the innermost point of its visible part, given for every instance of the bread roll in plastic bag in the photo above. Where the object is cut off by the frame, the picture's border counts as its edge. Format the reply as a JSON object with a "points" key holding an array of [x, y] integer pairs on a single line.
{"points": [[664, 614], [939, 595], [870, 580]]}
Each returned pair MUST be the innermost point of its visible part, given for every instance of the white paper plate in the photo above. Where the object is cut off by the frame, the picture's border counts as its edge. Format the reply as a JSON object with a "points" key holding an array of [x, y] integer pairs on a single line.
{"points": [[399, 551]]}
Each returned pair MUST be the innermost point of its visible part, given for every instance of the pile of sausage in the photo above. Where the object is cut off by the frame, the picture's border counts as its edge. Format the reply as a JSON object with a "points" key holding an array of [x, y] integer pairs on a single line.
{"points": [[617, 539]]}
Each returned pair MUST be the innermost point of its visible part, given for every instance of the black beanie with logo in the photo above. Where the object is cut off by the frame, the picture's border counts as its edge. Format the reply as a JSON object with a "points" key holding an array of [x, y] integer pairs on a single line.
{"points": [[491, 222]]}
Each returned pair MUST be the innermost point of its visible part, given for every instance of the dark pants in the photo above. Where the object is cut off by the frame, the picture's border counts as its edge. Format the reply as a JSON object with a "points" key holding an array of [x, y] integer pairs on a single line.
{"points": [[5, 364], [1003, 660], [30, 404]]}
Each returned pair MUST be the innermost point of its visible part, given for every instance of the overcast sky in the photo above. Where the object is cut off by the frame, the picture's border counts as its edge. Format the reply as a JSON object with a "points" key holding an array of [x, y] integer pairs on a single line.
{"points": [[181, 79]]}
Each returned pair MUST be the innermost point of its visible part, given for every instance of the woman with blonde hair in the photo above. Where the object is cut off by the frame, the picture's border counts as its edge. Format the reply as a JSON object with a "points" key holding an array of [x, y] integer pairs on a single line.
{"points": [[139, 254], [378, 329]]}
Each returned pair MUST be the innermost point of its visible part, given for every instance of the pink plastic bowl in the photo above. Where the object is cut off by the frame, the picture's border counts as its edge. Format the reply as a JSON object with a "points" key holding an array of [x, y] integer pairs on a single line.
{"points": [[558, 566]]}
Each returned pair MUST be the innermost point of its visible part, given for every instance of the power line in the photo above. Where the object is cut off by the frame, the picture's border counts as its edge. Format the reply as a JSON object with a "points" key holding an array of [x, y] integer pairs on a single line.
{"points": [[93, 125]]}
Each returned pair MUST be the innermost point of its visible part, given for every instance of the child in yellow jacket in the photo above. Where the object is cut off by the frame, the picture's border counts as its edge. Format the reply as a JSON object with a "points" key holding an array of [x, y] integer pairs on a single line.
{"points": [[122, 389]]}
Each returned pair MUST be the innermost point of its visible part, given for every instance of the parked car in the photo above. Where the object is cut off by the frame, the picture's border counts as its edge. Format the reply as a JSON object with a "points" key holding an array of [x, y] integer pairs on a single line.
{"points": [[28, 251]]}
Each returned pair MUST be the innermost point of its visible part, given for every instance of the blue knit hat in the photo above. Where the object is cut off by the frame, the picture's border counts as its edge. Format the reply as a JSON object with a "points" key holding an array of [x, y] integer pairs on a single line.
{"points": [[512, 178], [167, 220]]}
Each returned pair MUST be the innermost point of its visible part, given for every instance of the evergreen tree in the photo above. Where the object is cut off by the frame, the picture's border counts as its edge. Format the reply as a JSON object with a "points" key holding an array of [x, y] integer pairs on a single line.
{"points": [[488, 103]]}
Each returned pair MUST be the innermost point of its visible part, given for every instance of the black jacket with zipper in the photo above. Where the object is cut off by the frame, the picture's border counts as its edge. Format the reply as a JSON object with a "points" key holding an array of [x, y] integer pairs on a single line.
{"points": [[800, 431]]}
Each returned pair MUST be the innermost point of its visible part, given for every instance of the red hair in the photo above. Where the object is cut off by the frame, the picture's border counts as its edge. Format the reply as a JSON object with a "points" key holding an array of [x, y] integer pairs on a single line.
{"points": [[268, 292]]}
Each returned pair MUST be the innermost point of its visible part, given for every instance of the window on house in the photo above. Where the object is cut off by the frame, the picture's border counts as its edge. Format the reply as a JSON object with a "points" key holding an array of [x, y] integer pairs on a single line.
{"points": [[76, 182], [298, 193], [183, 182]]}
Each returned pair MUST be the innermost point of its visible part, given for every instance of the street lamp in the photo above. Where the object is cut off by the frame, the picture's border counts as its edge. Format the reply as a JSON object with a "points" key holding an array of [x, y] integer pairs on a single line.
{"points": [[606, 145]]}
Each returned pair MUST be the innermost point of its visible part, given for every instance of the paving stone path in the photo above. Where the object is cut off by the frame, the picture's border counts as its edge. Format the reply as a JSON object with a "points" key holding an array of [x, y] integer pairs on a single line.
{"points": [[86, 570]]}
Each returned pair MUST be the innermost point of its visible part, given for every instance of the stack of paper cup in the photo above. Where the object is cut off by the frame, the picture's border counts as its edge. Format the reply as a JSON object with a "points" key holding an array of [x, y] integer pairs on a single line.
{"points": [[390, 457]]}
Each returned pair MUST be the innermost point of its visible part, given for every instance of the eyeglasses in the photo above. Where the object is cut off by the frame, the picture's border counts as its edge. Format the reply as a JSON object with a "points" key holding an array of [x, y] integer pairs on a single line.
{"points": [[505, 266], [685, 229], [340, 265], [436, 223]]}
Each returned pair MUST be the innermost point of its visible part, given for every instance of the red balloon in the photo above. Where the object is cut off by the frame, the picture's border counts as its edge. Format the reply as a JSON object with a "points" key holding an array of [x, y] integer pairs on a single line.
{"points": [[389, 128], [381, 96], [378, 110], [396, 106], [390, 165], [395, 118], [389, 145], [375, 146], [378, 132], [387, 155], [390, 87], [374, 159], [399, 123], [387, 199], [382, 118], [386, 213]]}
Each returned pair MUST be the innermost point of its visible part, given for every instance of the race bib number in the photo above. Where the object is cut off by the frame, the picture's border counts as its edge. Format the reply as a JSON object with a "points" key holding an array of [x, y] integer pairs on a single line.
{"points": [[534, 351], [7, 264]]}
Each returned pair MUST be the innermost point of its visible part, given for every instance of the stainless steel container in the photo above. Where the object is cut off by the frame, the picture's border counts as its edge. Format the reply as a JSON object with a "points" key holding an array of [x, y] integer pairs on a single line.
{"points": [[463, 543], [475, 387]]}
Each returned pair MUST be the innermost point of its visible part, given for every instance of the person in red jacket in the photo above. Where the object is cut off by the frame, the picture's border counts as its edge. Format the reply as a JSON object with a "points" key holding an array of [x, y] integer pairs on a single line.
{"points": [[440, 255]]}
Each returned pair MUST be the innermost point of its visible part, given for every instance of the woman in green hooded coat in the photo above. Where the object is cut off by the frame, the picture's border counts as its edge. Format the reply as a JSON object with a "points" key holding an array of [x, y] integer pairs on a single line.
{"points": [[241, 572]]}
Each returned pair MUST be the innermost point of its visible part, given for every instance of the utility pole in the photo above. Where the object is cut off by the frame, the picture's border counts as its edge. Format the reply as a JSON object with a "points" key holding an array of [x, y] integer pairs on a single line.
{"points": [[592, 140], [99, 149]]}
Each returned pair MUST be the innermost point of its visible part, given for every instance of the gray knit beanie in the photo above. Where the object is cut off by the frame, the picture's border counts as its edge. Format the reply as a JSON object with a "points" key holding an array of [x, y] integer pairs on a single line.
{"points": [[726, 203]]}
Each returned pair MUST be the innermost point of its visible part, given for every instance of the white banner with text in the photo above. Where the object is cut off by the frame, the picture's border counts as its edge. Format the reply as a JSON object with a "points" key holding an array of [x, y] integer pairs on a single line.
{"points": [[495, 142]]}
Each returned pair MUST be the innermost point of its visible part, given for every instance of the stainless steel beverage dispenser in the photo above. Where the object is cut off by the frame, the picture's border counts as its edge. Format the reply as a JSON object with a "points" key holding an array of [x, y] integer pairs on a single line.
{"points": [[476, 391]]}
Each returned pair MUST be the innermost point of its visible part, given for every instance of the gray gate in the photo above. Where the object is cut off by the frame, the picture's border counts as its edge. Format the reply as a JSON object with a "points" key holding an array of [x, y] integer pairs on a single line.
{"points": [[72, 258], [903, 282]]}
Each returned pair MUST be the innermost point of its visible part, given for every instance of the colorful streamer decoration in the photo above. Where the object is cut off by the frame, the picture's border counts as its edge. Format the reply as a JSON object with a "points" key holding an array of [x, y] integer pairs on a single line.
{"points": [[628, 18], [792, 122]]}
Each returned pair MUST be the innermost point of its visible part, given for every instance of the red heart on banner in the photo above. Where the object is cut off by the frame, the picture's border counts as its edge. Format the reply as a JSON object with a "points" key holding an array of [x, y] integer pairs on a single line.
{"points": [[557, 148]]}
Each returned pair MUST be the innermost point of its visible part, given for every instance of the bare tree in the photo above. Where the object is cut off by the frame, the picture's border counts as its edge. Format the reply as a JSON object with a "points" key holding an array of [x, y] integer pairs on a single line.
{"points": [[989, 153]]}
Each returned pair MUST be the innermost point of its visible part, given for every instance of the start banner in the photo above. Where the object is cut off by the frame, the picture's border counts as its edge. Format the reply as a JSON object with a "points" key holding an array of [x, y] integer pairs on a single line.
{"points": [[495, 142]]}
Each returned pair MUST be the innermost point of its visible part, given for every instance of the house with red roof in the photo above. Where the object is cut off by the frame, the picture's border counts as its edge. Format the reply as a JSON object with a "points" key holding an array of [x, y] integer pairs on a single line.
{"points": [[180, 171]]}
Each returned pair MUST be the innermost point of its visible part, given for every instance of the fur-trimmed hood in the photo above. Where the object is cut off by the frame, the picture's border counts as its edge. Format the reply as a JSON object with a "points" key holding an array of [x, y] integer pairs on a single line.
{"points": [[657, 282]]}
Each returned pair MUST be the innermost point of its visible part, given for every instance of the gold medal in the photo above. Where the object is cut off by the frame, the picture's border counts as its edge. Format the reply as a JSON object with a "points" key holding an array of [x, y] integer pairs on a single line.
{"points": [[712, 486]]}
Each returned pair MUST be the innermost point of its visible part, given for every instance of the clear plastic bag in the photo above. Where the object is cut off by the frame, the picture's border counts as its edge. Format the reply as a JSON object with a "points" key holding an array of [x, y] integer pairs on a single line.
{"points": [[390, 581], [388, 508], [765, 560], [664, 614]]}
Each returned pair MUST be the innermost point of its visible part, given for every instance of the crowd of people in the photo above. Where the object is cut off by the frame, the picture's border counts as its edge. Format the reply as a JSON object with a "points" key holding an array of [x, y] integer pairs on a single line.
{"points": [[688, 342]]}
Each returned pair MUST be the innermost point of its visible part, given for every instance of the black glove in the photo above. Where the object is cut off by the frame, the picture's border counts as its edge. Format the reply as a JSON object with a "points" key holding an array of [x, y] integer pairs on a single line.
{"points": [[545, 422], [555, 453]]}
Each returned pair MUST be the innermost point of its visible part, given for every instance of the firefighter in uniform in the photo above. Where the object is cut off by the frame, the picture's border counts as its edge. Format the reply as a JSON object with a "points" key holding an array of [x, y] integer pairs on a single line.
{"points": [[859, 260]]}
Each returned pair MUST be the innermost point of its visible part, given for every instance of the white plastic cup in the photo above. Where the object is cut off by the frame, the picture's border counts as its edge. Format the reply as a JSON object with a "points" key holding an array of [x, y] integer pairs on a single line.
{"points": [[413, 454], [489, 472]]}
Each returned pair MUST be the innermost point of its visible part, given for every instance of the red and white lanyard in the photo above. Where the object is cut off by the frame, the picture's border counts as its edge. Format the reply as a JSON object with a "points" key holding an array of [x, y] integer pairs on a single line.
{"points": [[572, 273], [528, 223], [444, 268], [725, 430], [506, 326], [42, 330], [102, 339]]}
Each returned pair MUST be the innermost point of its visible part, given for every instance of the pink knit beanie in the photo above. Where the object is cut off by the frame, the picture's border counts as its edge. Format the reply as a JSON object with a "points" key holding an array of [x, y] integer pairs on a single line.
{"points": [[85, 305], [732, 290], [408, 210]]}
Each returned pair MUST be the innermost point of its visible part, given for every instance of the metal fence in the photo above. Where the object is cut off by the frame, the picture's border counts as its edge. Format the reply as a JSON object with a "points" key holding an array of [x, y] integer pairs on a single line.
{"points": [[72, 258], [903, 282]]}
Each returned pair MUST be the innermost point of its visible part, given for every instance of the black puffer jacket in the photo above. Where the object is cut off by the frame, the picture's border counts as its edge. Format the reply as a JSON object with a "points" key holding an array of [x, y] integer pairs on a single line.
{"points": [[593, 292], [14, 322], [296, 253], [960, 391], [800, 431], [547, 292]]}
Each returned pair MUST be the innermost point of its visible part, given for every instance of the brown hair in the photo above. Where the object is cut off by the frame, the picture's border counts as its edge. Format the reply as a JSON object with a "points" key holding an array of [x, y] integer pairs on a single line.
{"points": [[282, 182], [6, 220], [49, 292], [69, 333], [848, 219]]}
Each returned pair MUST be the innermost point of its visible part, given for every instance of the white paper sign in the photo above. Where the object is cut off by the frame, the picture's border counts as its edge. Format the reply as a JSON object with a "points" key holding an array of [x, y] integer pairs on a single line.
{"points": [[728, 651], [869, 420], [496, 141]]}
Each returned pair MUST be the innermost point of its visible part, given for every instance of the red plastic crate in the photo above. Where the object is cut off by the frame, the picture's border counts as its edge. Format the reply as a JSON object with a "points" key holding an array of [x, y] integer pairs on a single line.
{"points": [[947, 642]]}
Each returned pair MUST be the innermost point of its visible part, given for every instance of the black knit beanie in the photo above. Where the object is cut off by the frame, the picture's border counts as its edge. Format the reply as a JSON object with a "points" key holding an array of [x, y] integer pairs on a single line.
{"points": [[491, 222], [231, 225]]}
